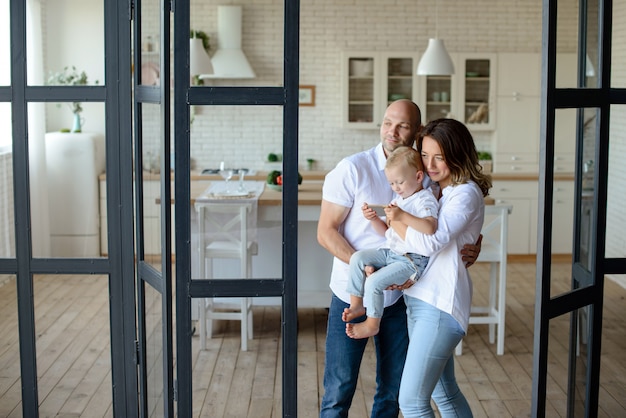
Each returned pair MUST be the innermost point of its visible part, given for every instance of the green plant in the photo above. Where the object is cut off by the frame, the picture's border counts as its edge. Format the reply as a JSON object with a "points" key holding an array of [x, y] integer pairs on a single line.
{"points": [[70, 77], [484, 155]]}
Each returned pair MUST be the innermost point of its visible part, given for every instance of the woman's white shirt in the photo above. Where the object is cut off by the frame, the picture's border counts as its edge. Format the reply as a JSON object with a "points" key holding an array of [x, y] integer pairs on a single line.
{"points": [[446, 283]]}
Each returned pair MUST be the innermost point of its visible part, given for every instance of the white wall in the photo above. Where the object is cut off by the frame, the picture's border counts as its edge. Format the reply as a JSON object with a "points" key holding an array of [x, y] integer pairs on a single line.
{"points": [[616, 202], [74, 36], [327, 28]]}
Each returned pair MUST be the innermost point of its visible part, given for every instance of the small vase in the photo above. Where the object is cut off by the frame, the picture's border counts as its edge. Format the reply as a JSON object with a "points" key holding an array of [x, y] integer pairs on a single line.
{"points": [[78, 122]]}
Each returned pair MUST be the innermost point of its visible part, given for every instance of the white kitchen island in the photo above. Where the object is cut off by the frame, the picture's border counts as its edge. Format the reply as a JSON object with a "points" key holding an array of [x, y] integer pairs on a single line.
{"points": [[314, 262]]}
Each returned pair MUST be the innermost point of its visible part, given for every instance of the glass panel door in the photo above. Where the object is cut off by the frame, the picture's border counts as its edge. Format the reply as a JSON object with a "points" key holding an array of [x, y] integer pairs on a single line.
{"points": [[153, 208]]}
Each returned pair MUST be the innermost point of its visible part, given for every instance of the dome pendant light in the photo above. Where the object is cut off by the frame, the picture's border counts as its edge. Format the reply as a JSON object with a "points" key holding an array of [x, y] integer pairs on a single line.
{"points": [[436, 60], [199, 60]]}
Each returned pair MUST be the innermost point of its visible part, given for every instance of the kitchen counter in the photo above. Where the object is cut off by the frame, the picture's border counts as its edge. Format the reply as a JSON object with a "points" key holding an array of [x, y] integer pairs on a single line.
{"points": [[318, 176], [309, 194]]}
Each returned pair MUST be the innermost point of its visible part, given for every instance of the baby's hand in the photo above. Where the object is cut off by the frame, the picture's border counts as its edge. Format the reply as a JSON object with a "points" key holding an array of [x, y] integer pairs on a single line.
{"points": [[368, 212], [393, 212]]}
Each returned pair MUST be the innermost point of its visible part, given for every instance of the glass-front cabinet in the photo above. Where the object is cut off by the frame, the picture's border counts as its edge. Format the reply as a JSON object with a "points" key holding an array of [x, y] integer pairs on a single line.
{"points": [[372, 80], [360, 91], [400, 80], [468, 95], [478, 90], [439, 97]]}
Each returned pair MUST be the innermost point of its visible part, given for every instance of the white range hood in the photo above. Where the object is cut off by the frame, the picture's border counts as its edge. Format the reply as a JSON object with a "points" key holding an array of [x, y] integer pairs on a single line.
{"points": [[229, 61]]}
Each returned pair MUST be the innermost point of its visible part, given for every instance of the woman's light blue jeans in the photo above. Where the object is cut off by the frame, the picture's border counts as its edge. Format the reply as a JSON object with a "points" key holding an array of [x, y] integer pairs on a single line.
{"points": [[429, 367]]}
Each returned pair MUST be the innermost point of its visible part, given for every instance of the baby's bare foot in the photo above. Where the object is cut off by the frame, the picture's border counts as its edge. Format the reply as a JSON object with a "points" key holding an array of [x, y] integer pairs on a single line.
{"points": [[351, 313], [362, 329], [369, 270]]}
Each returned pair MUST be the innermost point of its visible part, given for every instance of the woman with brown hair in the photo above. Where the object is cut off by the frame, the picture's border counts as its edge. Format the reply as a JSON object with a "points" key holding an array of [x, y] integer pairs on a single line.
{"points": [[438, 305]]}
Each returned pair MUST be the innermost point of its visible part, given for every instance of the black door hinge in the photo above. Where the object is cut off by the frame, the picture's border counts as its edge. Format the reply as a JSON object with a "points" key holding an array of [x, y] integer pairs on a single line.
{"points": [[137, 354]]}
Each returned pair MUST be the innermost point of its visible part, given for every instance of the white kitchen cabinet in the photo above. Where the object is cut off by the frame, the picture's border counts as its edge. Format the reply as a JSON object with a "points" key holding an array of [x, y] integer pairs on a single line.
{"points": [[371, 81], [399, 80], [437, 98], [477, 75], [522, 195], [361, 96], [565, 119], [468, 95], [518, 108], [562, 217], [518, 132]]}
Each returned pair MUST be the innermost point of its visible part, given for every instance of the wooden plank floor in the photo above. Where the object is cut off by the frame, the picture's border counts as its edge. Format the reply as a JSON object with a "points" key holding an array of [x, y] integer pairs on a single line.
{"points": [[72, 331]]}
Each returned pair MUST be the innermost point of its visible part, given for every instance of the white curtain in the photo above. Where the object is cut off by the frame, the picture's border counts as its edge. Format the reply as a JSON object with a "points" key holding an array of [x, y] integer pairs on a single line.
{"points": [[40, 221]]}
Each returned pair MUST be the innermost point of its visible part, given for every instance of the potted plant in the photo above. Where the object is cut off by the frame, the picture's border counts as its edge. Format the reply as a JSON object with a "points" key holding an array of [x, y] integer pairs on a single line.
{"points": [[71, 77], [484, 159], [310, 163]]}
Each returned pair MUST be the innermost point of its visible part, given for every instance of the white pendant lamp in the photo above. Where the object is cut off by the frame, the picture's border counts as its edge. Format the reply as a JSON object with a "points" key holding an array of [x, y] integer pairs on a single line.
{"points": [[590, 71], [199, 61], [436, 60]]}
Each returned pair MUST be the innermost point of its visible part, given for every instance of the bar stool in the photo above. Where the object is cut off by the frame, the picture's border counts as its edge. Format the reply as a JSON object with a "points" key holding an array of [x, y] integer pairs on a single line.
{"points": [[227, 226], [494, 251]]}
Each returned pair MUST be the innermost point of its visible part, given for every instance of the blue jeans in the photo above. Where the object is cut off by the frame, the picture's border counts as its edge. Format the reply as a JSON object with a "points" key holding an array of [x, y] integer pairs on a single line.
{"points": [[344, 355], [391, 268], [429, 367]]}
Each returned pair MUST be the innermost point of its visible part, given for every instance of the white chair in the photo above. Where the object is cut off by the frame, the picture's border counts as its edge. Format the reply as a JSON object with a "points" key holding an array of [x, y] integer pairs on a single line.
{"points": [[224, 234], [493, 251]]}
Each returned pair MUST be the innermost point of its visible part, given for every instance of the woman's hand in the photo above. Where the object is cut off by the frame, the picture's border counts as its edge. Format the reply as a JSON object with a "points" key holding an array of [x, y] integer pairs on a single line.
{"points": [[470, 252], [402, 286]]}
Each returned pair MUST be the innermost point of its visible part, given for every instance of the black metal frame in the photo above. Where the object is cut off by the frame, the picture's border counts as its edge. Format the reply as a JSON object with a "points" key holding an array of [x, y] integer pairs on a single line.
{"points": [[158, 280], [286, 287], [547, 308], [119, 266]]}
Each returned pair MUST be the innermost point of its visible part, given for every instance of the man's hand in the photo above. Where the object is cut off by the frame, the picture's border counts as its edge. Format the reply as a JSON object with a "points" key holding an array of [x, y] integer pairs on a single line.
{"points": [[470, 252]]}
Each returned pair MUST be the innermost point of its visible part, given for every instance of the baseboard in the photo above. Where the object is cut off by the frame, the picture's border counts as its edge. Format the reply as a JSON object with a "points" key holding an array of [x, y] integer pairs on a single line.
{"points": [[532, 258]]}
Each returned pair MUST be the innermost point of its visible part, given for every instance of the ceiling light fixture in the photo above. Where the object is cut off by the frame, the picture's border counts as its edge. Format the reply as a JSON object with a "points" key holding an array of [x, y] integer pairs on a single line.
{"points": [[590, 70], [199, 61], [436, 60]]}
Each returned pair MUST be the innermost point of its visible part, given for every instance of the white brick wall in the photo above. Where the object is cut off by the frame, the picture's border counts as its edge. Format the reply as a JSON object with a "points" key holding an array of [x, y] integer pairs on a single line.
{"points": [[327, 28]]}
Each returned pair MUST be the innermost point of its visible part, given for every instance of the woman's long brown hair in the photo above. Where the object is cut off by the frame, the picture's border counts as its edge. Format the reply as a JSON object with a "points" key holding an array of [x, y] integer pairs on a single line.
{"points": [[459, 151]]}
